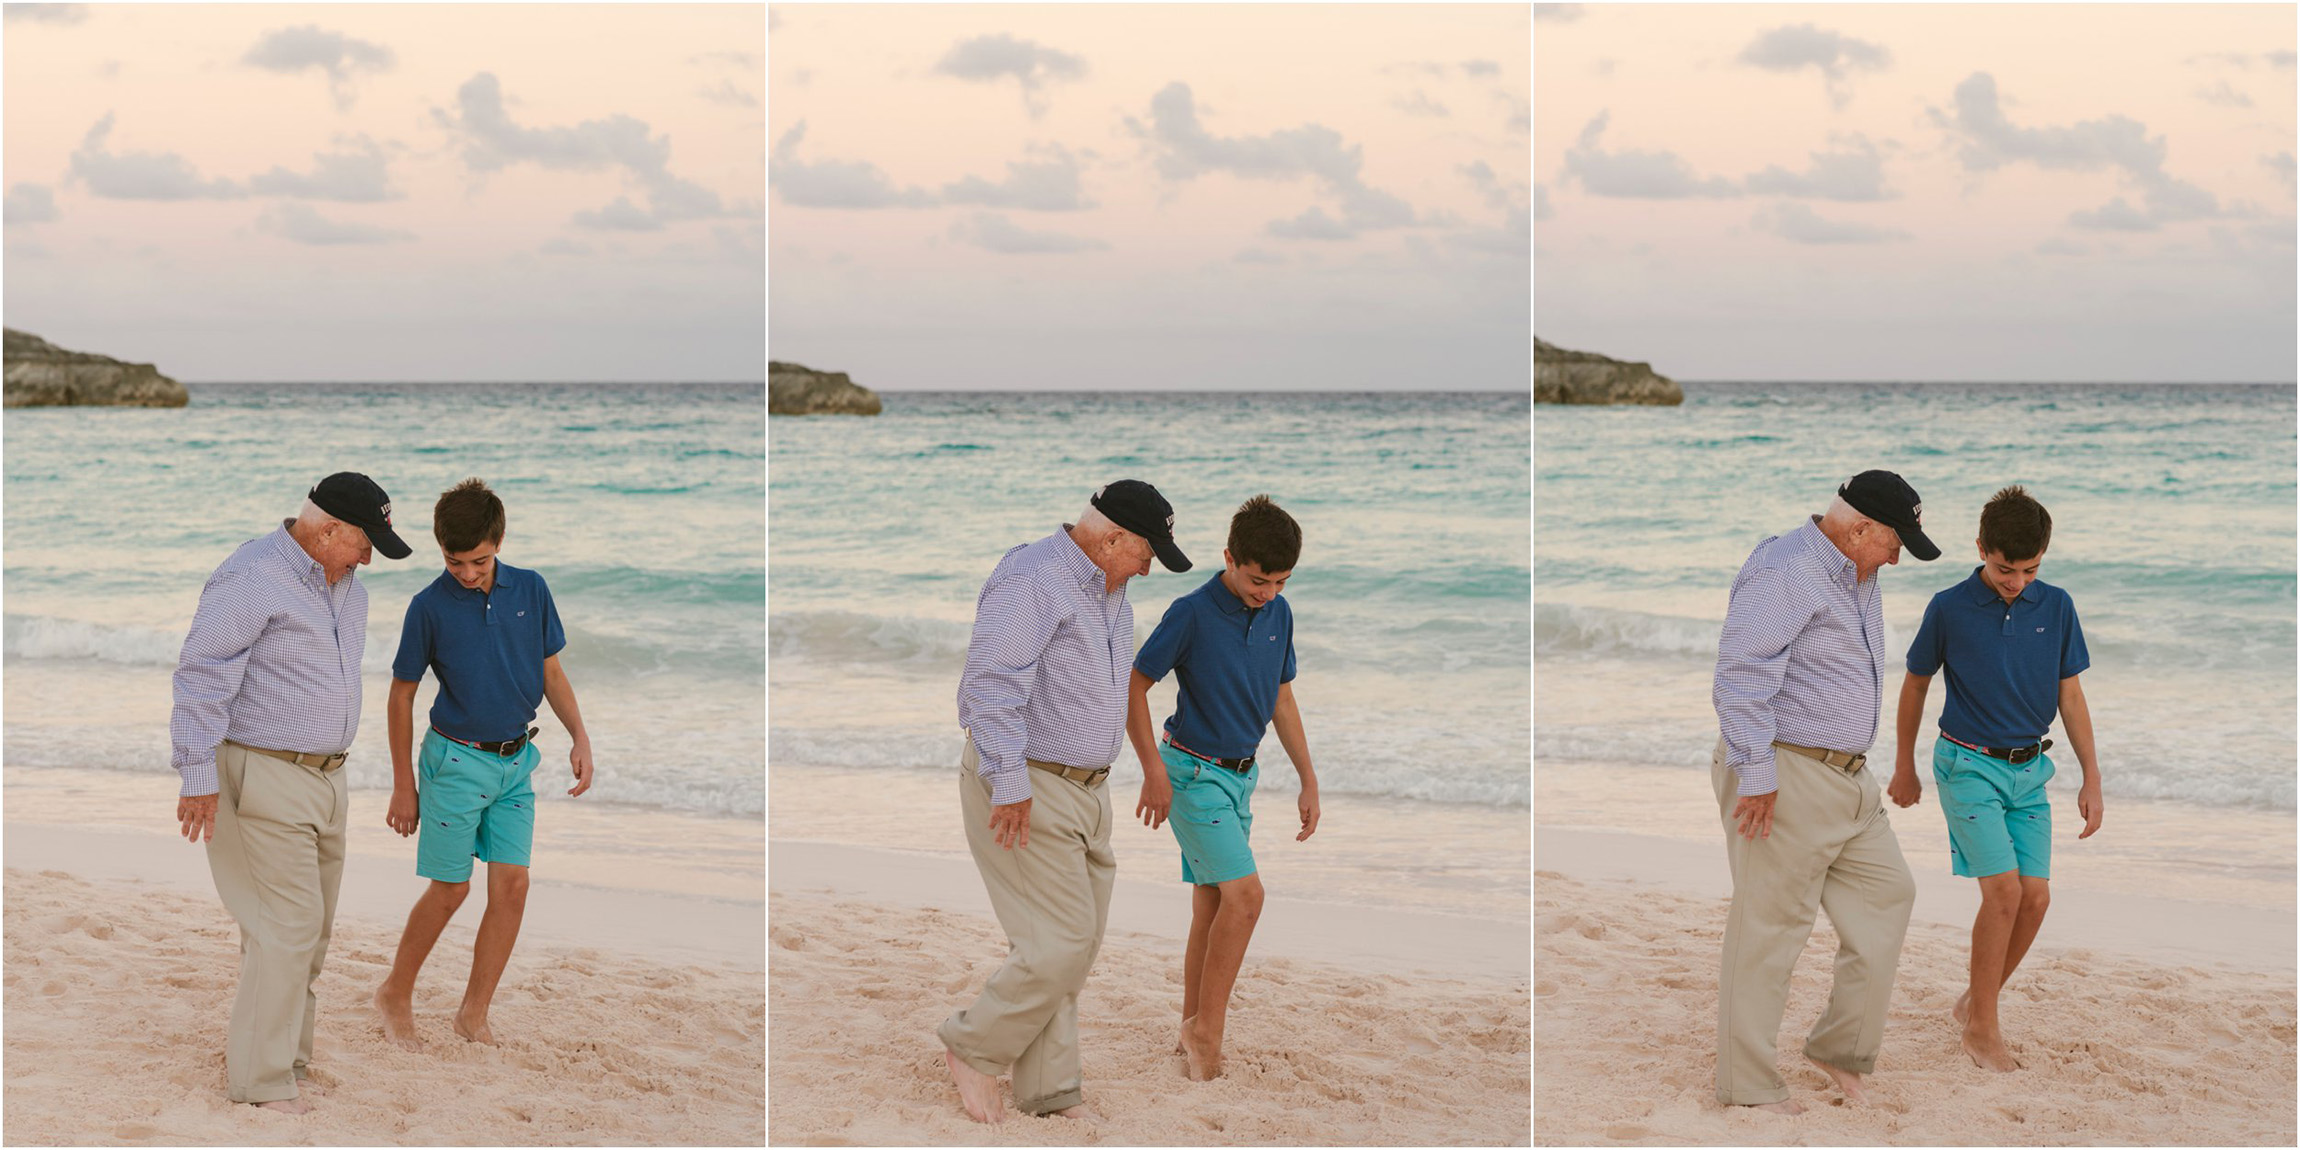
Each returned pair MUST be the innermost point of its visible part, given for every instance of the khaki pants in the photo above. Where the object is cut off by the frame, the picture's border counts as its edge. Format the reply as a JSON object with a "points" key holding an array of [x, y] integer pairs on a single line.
{"points": [[1053, 900], [277, 857], [1831, 847]]}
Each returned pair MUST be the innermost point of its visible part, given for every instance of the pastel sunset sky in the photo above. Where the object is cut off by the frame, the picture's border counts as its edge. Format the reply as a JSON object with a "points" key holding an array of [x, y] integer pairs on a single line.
{"points": [[1918, 192], [390, 192], [1188, 196]]}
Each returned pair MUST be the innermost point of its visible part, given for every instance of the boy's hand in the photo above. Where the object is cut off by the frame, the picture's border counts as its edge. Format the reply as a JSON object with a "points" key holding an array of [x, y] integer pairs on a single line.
{"points": [[405, 812], [1905, 790], [1309, 807], [1157, 798], [580, 759], [2089, 805]]}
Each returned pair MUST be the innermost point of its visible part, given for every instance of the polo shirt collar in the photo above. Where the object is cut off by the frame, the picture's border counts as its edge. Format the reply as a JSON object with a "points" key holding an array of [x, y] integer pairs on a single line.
{"points": [[1983, 594], [1224, 598], [504, 577], [1075, 561], [1818, 543]]}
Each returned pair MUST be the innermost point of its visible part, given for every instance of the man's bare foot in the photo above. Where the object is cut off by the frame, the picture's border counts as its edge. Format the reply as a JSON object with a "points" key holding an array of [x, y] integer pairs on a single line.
{"points": [[978, 1092], [1988, 1052], [398, 1019], [1963, 1011], [1790, 1106], [1081, 1112], [1202, 1054], [1178, 1047], [1846, 1080], [474, 1030], [287, 1105]]}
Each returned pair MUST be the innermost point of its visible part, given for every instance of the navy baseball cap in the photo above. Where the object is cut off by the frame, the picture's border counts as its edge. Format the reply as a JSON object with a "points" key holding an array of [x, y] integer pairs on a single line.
{"points": [[1137, 507], [1888, 499], [355, 499]]}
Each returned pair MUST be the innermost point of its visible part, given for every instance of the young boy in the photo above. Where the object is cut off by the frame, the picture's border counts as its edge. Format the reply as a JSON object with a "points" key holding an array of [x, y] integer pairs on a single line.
{"points": [[1230, 644], [2013, 651], [491, 633]]}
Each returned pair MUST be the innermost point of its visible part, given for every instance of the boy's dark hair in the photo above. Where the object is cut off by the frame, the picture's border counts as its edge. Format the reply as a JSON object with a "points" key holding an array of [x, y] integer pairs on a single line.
{"points": [[467, 515], [2015, 526], [1263, 533]]}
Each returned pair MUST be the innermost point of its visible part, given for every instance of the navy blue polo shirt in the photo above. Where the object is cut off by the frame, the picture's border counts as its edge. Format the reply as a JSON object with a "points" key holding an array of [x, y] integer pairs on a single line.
{"points": [[487, 650], [1227, 661], [2005, 662]]}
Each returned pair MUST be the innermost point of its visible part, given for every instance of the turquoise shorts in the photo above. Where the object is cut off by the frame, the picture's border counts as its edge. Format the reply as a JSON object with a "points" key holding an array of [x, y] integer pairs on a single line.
{"points": [[1210, 817], [1999, 817], [475, 805]]}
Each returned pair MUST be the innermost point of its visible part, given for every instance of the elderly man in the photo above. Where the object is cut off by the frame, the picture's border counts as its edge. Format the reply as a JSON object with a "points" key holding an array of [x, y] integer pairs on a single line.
{"points": [[267, 699], [1797, 695], [1043, 699]]}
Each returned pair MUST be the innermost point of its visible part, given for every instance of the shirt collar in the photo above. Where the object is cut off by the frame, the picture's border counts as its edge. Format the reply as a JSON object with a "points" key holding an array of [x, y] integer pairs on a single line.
{"points": [[1075, 561], [503, 578], [292, 552], [1818, 543], [1223, 597], [1983, 594]]}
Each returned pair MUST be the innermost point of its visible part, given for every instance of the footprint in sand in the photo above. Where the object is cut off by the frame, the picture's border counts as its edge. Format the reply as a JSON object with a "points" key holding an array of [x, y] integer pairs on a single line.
{"points": [[1626, 1131], [131, 1131]]}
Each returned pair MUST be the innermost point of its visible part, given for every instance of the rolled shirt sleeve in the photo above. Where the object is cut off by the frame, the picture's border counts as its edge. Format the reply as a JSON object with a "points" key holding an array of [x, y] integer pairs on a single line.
{"points": [[209, 671], [1766, 614], [1013, 623]]}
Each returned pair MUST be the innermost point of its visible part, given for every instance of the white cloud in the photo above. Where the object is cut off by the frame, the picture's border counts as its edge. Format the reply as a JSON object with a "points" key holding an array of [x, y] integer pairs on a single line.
{"points": [[726, 93], [988, 59], [357, 176], [993, 232], [1312, 224], [305, 46], [302, 225], [1185, 150], [492, 142], [1559, 13], [141, 175], [45, 13], [1796, 222], [1049, 186], [28, 204], [1637, 175], [1794, 47], [1854, 174], [1419, 105], [2225, 95], [1988, 140], [621, 215]]}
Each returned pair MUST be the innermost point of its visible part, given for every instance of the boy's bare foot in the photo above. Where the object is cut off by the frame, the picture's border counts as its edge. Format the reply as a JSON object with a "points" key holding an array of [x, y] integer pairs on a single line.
{"points": [[287, 1106], [1080, 1112], [474, 1030], [1963, 1011], [398, 1019], [1789, 1106], [1988, 1052], [1178, 1047], [1846, 1080], [1202, 1054], [978, 1092]]}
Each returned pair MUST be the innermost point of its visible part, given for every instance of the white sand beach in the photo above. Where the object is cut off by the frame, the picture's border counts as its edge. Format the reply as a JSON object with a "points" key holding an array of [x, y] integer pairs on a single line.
{"points": [[2157, 1007], [632, 1012], [1357, 1021]]}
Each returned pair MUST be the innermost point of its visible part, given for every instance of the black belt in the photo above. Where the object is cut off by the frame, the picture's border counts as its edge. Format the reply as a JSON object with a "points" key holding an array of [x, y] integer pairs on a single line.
{"points": [[507, 747], [2013, 755], [1239, 765]]}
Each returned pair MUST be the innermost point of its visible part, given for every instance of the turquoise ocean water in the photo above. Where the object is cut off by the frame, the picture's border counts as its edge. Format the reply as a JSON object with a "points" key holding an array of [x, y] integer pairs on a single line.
{"points": [[2173, 511], [640, 504], [1413, 632]]}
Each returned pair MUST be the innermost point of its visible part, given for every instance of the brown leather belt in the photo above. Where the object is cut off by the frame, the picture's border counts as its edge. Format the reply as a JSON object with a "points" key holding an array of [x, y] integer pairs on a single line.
{"points": [[1080, 775], [1845, 761], [323, 763]]}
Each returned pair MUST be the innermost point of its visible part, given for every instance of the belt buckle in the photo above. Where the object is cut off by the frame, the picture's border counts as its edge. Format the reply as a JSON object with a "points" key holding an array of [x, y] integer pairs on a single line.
{"points": [[2021, 755]]}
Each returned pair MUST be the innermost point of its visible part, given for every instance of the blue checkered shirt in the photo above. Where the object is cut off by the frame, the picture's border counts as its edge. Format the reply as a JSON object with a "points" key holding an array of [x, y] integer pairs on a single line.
{"points": [[1047, 666], [1798, 659], [271, 660]]}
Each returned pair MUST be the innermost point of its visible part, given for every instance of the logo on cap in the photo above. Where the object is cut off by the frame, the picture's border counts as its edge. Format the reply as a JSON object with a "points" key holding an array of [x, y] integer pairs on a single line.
{"points": [[1169, 523], [387, 514], [1918, 510]]}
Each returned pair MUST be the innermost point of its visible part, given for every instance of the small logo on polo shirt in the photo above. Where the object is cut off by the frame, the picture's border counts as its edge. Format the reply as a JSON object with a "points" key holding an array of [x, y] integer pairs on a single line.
{"points": [[523, 615], [2040, 630]]}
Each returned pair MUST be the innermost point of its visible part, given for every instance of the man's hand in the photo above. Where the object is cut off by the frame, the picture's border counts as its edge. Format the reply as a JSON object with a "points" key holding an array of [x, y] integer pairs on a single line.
{"points": [[580, 759], [1905, 790], [1157, 798], [405, 812], [1010, 824], [1309, 808], [1755, 814], [2089, 805], [196, 815]]}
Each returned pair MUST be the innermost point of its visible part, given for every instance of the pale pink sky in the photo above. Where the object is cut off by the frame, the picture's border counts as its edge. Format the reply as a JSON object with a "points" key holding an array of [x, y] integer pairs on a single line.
{"points": [[1175, 196], [390, 191], [1919, 192]]}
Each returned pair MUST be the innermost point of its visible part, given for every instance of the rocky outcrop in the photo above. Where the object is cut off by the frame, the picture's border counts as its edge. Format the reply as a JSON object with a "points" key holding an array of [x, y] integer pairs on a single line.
{"points": [[795, 390], [40, 374], [1561, 376]]}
